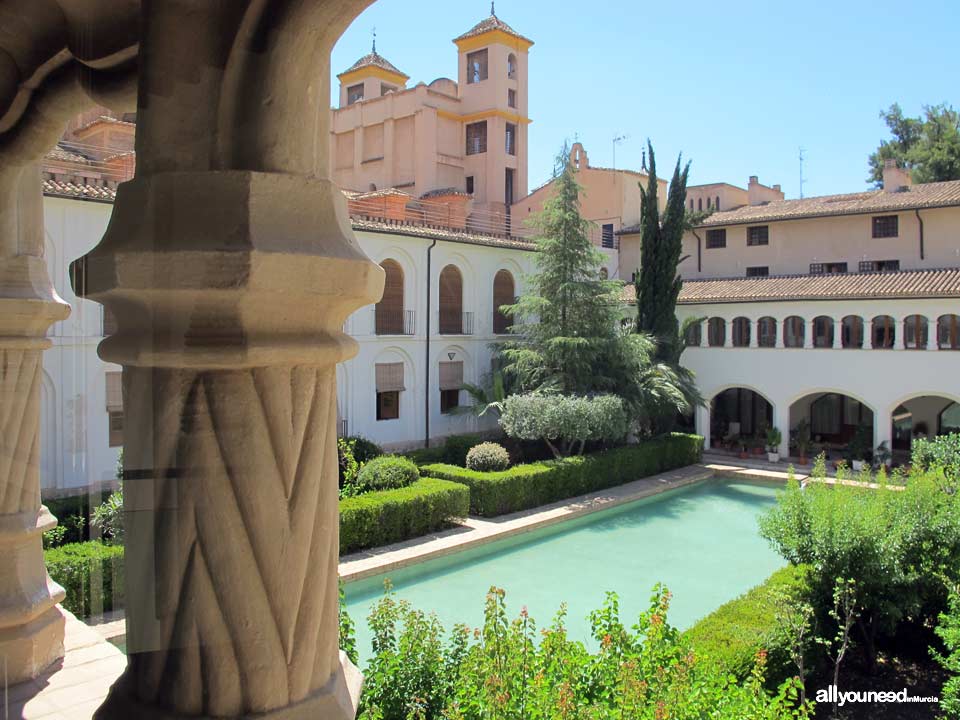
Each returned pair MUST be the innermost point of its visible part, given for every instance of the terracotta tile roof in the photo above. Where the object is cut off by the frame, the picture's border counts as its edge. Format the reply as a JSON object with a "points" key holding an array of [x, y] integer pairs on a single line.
{"points": [[854, 286], [61, 154], [84, 192], [927, 195], [491, 23], [440, 233], [374, 59], [443, 192]]}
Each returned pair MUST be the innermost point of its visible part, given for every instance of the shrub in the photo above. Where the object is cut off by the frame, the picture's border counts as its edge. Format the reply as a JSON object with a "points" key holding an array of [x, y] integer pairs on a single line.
{"points": [[942, 453], [91, 573], [643, 672], [353, 452], [526, 486], [388, 516], [456, 447], [109, 517], [387, 472], [948, 630], [427, 456], [893, 543], [565, 423], [733, 634], [71, 513], [488, 456]]}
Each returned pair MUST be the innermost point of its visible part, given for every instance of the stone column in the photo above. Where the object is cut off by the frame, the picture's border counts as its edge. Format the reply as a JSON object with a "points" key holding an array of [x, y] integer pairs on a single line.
{"points": [[779, 335], [703, 424], [230, 266], [809, 332], [704, 333], [781, 415], [754, 333], [899, 334], [837, 333], [867, 334], [31, 624], [728, 330]]}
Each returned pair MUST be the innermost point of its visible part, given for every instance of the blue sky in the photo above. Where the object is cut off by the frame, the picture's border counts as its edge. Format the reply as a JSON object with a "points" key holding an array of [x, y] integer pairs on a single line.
{"points": [[737, 87]]}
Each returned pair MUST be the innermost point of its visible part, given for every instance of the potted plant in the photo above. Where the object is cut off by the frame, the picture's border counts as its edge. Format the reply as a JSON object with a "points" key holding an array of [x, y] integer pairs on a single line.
{"points": [[858, 451], [757, 445], [802, 439], [774, 438], [883, 455]]}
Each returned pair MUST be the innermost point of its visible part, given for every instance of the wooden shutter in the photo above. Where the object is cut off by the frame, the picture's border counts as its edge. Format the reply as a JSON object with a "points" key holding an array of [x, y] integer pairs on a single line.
{"points": [[114, 392], [390, 377], [451, 375]]}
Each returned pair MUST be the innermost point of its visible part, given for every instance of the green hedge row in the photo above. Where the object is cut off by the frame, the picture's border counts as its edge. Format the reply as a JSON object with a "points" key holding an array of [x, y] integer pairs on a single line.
{"points": [[527, 486], [388, 516], [732, 634], [91, 573]]}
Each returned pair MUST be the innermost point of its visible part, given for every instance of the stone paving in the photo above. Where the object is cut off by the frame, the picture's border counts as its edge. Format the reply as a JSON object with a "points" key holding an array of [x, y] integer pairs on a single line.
{"points": [[74, 687]]}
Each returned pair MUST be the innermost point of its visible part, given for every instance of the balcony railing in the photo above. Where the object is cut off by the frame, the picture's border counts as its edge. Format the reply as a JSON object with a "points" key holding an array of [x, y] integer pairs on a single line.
{"points": [[394, 322], [456, 323]]}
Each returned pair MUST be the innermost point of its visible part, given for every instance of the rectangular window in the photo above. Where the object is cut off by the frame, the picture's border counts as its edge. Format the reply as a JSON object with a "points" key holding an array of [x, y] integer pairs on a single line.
{"points": [[512, 98], [606, 236], [469, 184], [716, 239], [384, 88], [477, 138], [836, 268], [449, 399], [354, 94], [879, 265], [389, 385], [476, 67], [511, 139], [114, 393], [388, 405], [451, 380], [758, 271], [759, 235], [886, 226]]}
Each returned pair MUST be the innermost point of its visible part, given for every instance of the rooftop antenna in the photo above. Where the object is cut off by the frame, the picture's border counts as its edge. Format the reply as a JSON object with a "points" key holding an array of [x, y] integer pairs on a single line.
{"points": [[643, 163], [493, 10], [802, 178], [616, 141], [374, 32]]}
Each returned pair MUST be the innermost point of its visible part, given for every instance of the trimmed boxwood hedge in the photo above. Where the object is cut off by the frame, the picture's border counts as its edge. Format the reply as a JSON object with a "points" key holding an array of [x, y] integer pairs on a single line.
{"points": [[388, 516], [527, 486], [91, 573], [733, 634]]}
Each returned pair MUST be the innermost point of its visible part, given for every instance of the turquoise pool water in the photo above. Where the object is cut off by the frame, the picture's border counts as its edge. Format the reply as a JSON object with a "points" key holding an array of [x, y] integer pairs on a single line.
{"points": [[701, 541]]}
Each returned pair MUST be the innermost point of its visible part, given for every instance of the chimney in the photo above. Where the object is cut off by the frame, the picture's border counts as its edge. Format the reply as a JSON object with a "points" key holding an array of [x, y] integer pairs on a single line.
{"points": [[895, 178], [758, 194]]}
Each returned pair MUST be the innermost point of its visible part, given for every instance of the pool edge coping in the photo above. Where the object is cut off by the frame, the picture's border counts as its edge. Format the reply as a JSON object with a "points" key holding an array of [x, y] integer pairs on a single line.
{"points": [[481, 531]]}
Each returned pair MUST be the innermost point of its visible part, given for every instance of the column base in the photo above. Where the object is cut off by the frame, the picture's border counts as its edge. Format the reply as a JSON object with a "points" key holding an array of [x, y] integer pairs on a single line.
{"points": [[337, 700], [29, 649]]}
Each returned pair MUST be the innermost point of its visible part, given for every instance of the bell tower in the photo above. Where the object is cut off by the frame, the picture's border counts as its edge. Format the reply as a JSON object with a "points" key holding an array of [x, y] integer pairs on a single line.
{"points": [[492, 84]]}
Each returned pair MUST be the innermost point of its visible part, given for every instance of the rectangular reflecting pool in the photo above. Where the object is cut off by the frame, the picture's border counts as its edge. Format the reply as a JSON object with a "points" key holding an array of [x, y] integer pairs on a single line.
{"points": [[701, 541]]}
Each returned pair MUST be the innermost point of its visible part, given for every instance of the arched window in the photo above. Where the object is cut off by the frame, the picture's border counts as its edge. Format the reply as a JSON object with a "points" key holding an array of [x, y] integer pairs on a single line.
{"points": [[915, 332], [716, 332], [451, 301], [767, 332], [389, 313], [741, 332], [948, 332], [503, 294], [793, 332], [511, 66], [716, 204], [823, 332], [949, 420], [884, 332], [851, 332], [694, 334]]}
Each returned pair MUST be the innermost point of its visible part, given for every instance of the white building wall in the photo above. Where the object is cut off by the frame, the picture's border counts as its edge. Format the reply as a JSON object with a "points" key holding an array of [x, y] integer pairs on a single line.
{"points": [[75, 449], [881, 379]]}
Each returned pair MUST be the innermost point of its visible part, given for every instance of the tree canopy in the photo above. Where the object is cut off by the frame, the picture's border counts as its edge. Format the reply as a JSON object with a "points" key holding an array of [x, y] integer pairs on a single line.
{"points": [[929, 146]]}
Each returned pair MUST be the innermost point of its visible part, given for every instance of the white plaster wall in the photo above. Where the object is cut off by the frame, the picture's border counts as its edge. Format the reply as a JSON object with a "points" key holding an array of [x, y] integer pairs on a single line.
{"points": [[74, 444], [357, 391], [881, 379]]}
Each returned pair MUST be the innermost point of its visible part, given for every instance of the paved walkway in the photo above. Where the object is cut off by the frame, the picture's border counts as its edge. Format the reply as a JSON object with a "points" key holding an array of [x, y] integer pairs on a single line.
{"points": [[73, 688]]}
